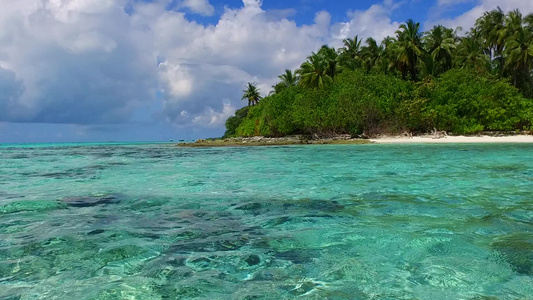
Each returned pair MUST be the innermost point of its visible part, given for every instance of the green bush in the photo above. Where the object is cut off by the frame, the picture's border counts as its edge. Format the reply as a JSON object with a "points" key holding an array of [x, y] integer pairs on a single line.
{"points": [[367, 103], [463, 101], [233, 122], [250, 125], [278, 114], [460, 101]]}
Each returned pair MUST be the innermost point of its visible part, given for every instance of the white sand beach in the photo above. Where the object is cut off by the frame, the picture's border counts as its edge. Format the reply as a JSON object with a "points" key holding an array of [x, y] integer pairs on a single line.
{"points": [[429, 139]]}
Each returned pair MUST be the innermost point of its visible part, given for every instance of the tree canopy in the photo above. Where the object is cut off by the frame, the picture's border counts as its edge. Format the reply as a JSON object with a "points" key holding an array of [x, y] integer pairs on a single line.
{"points": [[416, 81]]}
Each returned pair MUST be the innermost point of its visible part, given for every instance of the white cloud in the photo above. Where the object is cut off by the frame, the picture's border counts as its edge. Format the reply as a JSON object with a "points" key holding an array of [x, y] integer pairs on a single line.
{"points": [[90, 62], [78, 61], [468, 19], [91, 41], [252, 3], [374, 22], [211, 118], [201, 7], [177, 78], [245, 45], [70, 10]]}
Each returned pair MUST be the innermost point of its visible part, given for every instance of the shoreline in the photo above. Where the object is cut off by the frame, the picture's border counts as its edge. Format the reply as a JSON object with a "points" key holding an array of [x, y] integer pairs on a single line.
{"points": [[264, 141], [458, 139], [346, 140]]}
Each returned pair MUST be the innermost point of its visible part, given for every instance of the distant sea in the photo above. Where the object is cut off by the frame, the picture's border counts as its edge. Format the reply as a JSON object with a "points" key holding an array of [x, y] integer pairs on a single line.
{"points": [[154, 221]]}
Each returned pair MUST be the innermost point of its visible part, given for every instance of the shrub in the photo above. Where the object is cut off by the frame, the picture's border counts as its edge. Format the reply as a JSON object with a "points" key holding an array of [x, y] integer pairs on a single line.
{"points": [[460, 101]]}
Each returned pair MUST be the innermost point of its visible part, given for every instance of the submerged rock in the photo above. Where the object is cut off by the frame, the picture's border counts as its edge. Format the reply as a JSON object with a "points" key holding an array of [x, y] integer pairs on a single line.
{"points": [[90, 201], [95, 232], [253, 260], [517, 250]]}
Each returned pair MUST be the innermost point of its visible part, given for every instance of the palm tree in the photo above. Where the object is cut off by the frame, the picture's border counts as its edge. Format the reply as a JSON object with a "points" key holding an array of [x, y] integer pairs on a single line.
{"points": [[519, 56], [409, 48], [319, 69], [470, 53], [529, 22], [349, 55], [373, 56], [441, 44], [288, 79], [390, 61], [313, 73], [251, 93], [330, 59], [513, 22], [491, 27]]}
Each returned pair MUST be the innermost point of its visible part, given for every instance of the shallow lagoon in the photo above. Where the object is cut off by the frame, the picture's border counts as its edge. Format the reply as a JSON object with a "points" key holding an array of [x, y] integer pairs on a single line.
{"points": [[144, 221]]}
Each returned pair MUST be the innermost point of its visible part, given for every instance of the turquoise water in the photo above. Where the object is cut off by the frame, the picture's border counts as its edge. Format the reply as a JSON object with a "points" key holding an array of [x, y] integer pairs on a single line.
{"points": [[144, 221]]}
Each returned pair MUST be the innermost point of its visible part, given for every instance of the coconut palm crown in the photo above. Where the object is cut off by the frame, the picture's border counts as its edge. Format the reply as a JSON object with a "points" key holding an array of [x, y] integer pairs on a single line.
{"points": [[251, 93]]}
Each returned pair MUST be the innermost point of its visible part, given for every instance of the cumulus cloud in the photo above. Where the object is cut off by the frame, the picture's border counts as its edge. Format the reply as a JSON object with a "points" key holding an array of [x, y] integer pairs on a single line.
{"points": [[106, 61], [468, 19], [201, 73], [212, 118], [202, 7], [374, 22], [78, 61]]}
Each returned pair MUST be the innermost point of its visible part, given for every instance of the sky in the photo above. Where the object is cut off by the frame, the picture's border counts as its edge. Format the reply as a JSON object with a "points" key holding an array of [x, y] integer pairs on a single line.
{"points": [[155, 70]]}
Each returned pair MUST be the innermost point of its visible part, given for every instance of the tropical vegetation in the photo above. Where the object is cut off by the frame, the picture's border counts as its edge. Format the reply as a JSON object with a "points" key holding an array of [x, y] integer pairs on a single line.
{"points": [[415, 81], [251, 93]]}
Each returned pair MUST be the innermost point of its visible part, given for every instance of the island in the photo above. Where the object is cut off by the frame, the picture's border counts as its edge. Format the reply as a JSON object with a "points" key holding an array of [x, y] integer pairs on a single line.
{"points": [[440, 82]]}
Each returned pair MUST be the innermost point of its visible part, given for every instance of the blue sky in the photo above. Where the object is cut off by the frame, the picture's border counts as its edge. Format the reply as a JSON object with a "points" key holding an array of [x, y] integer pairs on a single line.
{"points": [[303, 11], [130, 70]]}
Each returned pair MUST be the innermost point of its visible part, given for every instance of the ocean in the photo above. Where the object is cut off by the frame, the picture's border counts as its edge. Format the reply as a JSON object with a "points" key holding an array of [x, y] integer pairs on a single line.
{"points": [[154, 221]]}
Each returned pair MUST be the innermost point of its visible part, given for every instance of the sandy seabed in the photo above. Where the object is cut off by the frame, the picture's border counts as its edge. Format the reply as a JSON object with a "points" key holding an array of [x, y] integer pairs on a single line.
{"points": [[455, 139]]}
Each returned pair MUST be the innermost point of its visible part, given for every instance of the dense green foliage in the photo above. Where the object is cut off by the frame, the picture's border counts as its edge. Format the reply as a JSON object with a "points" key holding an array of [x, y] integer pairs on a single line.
{"points": [[459, 101], [415, 82], [463, 101], [233, 122]]}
